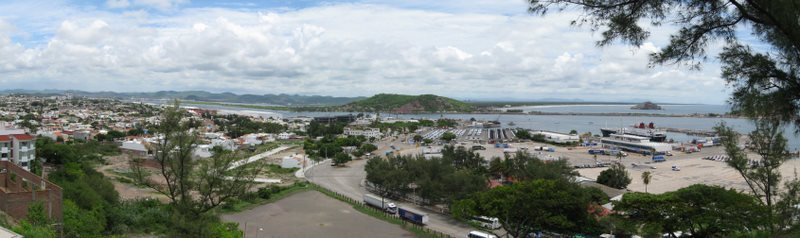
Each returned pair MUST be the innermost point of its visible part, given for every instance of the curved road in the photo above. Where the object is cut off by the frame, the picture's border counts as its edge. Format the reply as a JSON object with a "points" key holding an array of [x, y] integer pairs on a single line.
{"points": [[348, 181]]}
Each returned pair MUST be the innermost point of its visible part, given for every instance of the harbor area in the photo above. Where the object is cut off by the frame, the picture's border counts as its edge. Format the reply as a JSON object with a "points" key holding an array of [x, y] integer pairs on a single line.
{"points": [[679, 164]]}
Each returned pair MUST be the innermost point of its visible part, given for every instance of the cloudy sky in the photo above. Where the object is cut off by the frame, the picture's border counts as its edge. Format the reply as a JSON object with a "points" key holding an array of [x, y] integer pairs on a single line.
{"points": [[479, 49]]}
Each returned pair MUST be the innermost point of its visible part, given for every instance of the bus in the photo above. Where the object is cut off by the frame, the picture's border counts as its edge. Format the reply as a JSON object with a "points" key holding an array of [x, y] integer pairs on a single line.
{"points": [[478, 234], [487, 222]]}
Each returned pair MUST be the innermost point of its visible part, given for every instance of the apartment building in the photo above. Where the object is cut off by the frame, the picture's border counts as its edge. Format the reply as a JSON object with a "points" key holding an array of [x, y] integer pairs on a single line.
{"points": [[366, 132], [18, 148]]}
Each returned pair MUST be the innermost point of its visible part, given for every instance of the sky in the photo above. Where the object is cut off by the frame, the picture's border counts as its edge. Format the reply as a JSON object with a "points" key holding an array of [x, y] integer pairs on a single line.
{"points": [[476, 50]]}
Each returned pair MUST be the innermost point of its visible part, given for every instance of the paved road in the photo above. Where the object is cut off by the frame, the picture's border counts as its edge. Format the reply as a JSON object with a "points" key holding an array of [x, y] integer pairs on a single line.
{"points": [[349, 182]]}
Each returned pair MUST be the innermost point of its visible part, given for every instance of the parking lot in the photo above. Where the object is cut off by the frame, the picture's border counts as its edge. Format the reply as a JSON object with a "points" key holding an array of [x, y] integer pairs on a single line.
{"points": [[311, 214]]}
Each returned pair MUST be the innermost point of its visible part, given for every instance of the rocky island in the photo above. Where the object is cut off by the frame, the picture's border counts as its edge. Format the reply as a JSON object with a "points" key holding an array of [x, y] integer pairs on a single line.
{"points": [[646, 106]]}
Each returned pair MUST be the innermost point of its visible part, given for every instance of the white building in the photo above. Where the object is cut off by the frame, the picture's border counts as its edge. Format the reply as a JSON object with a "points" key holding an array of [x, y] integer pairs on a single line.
{"points": [[134, 147], [556, 137], [368, 132], [18, 148], [285, 136]]}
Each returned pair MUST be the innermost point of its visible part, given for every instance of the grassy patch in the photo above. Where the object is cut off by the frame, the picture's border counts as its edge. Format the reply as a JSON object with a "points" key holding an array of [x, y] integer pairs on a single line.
{"points": [[245, 204], [276, 169]]}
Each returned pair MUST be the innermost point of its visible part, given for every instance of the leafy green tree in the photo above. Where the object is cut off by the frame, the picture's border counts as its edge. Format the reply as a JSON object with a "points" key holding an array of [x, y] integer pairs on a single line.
{"points": [[427, 141], [763, 179], [36, 215], [135, 132], [341, 158], [524, 166], [368, 147], [194, 188], [444, 122], [417, 138], [110, 135], [36, 223], [82, 223], [538, 137], [498, 168], [765, 85], [573, 132], [461, 158], [55, 153], [531, 206], [428, 175], [702, 210], [462, 183], [448, 136], [36, 167], [389, 176], [615, 176], [358, 153], [522, 133]]}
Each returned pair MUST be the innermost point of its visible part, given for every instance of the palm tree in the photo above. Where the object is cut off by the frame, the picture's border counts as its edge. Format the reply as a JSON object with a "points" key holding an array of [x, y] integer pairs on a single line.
{"points": [[646, 176]]}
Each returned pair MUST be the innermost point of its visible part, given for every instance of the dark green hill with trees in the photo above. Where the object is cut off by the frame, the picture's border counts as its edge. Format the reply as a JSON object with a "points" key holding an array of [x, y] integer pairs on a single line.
{"points": [[397, 103]]}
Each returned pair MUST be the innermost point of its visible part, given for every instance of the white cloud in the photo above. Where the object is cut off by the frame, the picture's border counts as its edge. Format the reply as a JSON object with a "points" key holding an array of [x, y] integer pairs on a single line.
{"points": [[344, 49]]}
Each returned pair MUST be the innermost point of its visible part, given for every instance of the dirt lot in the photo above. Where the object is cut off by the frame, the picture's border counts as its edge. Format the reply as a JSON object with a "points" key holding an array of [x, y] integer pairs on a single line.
{"points": [[311, 214], [692, 171], [118, 165], [286, 178]]}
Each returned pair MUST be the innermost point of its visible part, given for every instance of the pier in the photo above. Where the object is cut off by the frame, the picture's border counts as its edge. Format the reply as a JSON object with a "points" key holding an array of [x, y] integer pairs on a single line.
{"points": [[692, 132]]}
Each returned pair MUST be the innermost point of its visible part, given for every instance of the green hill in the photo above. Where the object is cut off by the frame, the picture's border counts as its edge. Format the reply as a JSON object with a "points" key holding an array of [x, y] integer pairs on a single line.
{"points": [[397, 103]]}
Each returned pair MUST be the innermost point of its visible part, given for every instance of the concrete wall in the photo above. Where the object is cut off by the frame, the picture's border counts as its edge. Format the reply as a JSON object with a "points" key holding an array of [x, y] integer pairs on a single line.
{"points": [[20, 188]]}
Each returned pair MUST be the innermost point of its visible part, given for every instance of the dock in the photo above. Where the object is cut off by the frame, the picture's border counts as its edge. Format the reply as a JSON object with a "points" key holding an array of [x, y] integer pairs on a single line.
{"points": [[692, 132]]}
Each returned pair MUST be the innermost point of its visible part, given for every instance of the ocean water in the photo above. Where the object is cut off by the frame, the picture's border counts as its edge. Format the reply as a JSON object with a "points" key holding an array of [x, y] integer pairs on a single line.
{"points": [[566, 123], [668, 109]]}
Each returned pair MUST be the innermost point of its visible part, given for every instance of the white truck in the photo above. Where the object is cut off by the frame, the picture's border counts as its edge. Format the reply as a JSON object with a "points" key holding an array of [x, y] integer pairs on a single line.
{"points": [[384, 204]]}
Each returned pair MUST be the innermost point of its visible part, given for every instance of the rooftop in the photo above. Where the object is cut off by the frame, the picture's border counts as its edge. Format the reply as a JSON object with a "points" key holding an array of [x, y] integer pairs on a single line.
{"points": [[22, 137]]}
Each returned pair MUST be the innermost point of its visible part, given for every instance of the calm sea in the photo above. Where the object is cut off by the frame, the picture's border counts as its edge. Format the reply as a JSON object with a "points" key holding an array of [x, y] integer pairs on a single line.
{"points": [[668, 109]]}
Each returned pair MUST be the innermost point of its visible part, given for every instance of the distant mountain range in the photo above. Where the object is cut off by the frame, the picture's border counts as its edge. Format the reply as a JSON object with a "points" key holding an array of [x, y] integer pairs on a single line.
{"points": [[203, 96]]}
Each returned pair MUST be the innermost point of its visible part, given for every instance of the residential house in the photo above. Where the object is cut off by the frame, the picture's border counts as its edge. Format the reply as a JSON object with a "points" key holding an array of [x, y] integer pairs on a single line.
{"points": [[18, 148], [135, 147]]}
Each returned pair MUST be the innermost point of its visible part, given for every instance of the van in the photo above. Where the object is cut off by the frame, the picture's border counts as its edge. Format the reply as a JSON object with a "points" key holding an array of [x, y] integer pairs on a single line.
{"points": [[487, 222], [478, 234]]}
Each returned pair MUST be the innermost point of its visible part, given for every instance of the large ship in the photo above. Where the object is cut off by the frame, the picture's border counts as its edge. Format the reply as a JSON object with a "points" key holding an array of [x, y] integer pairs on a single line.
{"points": [[648, 131]]}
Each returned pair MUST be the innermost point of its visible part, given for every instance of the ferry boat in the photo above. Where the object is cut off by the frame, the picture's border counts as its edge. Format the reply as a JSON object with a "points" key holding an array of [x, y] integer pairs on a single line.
{"points": [[635, 144], [649, 131]]}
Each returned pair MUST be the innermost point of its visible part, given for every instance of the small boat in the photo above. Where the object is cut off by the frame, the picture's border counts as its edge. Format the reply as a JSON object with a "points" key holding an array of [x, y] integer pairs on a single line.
{"points": [[512, 124]]}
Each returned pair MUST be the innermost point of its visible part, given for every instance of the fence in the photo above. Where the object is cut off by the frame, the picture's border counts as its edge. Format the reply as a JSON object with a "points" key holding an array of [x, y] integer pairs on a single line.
{"points": [[420, 230]]}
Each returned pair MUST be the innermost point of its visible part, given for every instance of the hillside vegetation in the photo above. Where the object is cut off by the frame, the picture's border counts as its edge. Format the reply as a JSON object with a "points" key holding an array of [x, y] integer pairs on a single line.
{"points": [[397, 103]]}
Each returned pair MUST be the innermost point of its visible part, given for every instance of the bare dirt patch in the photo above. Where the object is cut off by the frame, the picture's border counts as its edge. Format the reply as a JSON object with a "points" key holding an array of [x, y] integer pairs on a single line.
{"points": [[311, 214]]}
